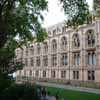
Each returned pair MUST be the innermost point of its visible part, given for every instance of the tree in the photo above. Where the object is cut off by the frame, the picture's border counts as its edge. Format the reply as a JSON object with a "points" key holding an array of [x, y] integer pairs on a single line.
{"points": [[96, 6], [19, 18], [76, 11]]}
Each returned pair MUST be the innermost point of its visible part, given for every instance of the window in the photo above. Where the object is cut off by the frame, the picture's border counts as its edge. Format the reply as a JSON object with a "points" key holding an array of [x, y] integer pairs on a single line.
{"points": [[31, 51], [76, 58], [58, 30], [91, 58], [32, 61], [24, 72], [19, 72], [63, 43], [30, 72], [49, 33], [45, 60], [38, 61], [38, 48], [63, 29], [26, 61], [45, 47], [37, 73], [21, 53], [63, 74], [53, 74], [26, 52], [44, 73], [91, 75], [90, 38], [76, 41], [54, 60], [54, 32], [64, 59], [75, 74], [54, 45]]}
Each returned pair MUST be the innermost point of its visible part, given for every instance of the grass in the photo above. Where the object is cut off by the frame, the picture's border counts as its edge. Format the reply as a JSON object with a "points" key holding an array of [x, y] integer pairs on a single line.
{"points": [[73, 95]]}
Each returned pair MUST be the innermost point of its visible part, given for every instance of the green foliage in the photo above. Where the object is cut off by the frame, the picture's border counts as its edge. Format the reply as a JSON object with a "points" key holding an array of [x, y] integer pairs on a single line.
{"points": [[19, 18], [97, 8], [5, 81], [76, 11], [19, 92]]}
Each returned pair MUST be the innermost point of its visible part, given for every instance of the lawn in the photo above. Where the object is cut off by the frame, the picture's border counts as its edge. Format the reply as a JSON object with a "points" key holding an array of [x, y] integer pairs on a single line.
{"points": [[73, 95]]}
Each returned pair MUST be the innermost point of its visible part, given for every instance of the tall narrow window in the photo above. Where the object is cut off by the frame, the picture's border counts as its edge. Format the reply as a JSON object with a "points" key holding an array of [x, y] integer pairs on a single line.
{"points": [[31, 51], [91, 75], [63, 43], [45, 60], [54, 32], [63, 74], [64, 59], [26, 52], [53, 74], [76, 58], [45, 47], [90, 38], [26, 61], [75, 74], [54, 45], [44, 73], [30, 72], [37, 73], [91, 58], [76, 41], [54, 60], [38, 61], [38, 48], [32, 61]]}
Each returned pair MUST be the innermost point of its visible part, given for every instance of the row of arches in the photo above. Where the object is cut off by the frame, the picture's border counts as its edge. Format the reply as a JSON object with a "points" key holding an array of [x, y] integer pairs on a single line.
{"points": [[90, 42]]}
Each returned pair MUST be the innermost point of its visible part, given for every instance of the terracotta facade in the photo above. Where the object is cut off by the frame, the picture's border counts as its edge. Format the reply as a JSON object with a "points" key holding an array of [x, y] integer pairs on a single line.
{"points": [[66, 54]]}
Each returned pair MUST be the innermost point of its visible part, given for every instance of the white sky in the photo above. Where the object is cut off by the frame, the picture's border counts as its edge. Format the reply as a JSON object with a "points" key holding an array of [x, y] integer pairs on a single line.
{"points": [[55, 13]]}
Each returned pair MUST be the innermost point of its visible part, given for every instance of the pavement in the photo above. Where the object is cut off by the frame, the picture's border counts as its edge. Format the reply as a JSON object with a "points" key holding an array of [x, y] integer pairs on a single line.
{"points": [[48, 98], [69, 87]]}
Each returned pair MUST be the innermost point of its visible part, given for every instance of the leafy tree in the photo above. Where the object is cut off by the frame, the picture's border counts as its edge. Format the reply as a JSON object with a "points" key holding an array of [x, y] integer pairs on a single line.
{"points": [[97, 8], [76, 11], [19, 18]]}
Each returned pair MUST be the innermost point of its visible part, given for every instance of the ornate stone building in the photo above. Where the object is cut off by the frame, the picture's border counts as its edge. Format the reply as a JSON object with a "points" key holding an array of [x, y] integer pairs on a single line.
{"points": [[67, 54]]}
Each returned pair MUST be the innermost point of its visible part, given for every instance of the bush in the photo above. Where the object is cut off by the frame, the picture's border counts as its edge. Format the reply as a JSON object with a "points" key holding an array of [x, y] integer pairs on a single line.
{"points": [[19, 92]]}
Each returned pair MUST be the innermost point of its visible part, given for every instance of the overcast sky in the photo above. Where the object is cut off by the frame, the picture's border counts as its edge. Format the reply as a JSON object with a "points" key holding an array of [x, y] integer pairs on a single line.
{"points": [[55, 13]]}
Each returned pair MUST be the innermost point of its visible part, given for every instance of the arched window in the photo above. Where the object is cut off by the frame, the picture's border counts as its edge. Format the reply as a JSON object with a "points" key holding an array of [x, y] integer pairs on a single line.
{"points": [[45, 47], [90, 38], [63, 42], [76, 41], [54, 45], [38, 48]]}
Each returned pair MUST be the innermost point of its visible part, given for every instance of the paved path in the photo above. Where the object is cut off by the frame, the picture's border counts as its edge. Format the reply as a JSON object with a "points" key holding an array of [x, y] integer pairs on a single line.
{"points": [[82, 89]]}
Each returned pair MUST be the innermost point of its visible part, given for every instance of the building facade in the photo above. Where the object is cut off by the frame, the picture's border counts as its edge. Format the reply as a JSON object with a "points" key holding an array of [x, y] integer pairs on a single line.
{"points": [[67, 54]]}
